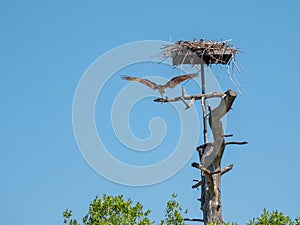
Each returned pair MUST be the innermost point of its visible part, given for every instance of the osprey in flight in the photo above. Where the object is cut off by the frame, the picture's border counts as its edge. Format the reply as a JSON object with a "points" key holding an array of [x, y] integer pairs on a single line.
{"points": [[161, 88]]}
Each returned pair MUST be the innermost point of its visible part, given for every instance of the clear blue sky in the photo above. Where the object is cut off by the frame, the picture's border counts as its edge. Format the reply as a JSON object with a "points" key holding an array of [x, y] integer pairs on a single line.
{"points": [[45, 47]]}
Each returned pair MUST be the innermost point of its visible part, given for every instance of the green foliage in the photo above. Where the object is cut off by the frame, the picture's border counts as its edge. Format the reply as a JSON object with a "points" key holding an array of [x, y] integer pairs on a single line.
{"points": [[67, 218], [268, 218], [173, 213], [112, 210], [273, 218]]}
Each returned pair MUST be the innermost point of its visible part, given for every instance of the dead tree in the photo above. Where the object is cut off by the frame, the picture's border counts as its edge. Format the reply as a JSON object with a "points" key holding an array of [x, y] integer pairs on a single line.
{"points": [[210, 162], [210, 154]]}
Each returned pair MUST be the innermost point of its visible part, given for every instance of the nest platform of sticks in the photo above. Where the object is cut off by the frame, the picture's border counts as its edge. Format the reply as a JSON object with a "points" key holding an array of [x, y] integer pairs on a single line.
{"points": [[199, 52]]}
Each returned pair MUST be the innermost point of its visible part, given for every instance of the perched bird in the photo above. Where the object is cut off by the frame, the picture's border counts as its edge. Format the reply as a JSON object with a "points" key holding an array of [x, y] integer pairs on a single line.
{"points": [[161, 88]]}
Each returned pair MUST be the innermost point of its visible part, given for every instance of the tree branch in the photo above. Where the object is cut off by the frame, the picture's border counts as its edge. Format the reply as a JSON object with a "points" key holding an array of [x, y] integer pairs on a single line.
{"points": [[190, 97], [226, 169], [207, 173], [199, 182], [194, 220], [202, 168], [225, 104], [236, 143]]}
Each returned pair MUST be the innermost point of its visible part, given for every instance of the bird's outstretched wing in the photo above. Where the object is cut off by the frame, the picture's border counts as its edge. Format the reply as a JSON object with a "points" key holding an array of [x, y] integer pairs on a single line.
{"points": [[146, 82], [176, 80]]}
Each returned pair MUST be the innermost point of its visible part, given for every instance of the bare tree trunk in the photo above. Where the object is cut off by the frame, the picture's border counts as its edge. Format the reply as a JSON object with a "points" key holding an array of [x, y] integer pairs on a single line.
{"points": [[210, 162], [211, 155]]}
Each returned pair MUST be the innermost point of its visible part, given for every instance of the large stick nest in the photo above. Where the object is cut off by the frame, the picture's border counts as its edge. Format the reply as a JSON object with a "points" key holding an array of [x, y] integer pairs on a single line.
{"points": [[198, 52]]}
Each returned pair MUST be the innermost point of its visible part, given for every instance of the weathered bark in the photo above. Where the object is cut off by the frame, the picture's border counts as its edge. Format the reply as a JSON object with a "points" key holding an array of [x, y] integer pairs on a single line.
{"points": [[190, 97], [210, 162], [211, 155]]}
